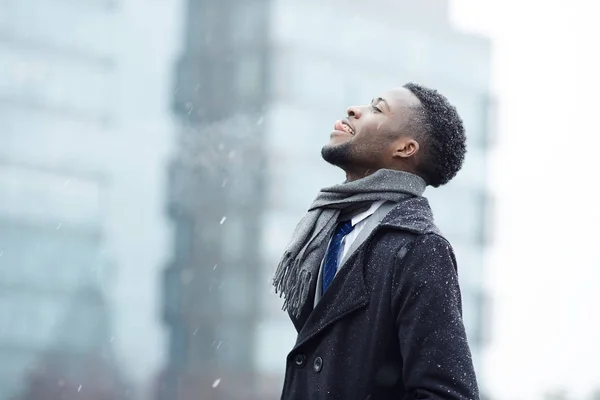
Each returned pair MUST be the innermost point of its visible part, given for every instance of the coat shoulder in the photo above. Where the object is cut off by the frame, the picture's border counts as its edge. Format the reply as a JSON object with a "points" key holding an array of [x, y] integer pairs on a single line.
{"points": [[397, 244], [401, 241]]}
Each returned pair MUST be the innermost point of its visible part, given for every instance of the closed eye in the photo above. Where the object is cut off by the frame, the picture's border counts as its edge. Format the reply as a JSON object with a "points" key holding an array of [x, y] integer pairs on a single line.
{"points": [[375, 109]]}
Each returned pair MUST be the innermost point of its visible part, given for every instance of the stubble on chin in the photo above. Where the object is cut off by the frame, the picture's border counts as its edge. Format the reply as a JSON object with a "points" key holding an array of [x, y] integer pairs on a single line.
{"points": [[338, 154]]}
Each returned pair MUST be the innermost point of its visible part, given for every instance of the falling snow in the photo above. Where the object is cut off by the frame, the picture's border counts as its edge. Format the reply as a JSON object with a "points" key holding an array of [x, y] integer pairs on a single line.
{"points": [[223, 220], [216, 383]]}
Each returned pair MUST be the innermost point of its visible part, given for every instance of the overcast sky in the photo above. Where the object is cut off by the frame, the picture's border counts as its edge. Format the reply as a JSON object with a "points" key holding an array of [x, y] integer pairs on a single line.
{"points": [[544, 268]]}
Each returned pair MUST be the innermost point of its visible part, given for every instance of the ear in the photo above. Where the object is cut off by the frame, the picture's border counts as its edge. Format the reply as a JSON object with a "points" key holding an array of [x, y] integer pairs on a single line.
{"points": [[405, 147]]}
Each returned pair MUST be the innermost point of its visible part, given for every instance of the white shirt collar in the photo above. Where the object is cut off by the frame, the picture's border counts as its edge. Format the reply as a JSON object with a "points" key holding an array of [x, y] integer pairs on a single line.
{"points": [[366, 214]]}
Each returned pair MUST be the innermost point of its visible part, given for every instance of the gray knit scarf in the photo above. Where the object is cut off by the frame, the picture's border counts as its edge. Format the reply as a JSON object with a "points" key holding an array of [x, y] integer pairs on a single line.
{"points": [[304, 253]]}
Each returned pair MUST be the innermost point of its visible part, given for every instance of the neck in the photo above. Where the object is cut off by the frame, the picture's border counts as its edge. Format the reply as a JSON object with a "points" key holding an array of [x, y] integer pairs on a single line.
{"points": [[355, 175]]}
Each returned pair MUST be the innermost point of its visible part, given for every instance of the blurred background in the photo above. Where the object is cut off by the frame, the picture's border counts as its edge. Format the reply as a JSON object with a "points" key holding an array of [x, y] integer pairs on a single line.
{"points": [[156, 155]]}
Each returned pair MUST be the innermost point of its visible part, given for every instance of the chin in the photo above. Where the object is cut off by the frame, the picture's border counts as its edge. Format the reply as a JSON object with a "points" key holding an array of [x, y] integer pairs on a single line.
{"points": [[337, 154]]}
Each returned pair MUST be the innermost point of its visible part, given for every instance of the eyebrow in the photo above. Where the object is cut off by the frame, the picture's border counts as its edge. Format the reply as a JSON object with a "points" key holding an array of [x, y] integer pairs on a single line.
{"points": [[381, 100]]}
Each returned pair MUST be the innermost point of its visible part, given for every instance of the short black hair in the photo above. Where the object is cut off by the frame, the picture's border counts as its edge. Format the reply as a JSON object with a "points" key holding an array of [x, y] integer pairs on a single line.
{"points": [[441, 129]]}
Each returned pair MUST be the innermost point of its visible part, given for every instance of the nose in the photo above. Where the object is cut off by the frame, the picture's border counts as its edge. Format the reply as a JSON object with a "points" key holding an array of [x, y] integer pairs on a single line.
{"points": [[353, 112]]}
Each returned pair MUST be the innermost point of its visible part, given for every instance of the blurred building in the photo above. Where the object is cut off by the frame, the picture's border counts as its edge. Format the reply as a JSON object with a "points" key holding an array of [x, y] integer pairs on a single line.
{"points": [[55, 87], [259, 84], [79, 179], [51, 271], [216, 201]]}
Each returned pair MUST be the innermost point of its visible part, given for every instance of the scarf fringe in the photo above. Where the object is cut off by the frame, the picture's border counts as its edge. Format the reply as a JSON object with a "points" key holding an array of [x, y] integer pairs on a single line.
{"points": [[292, 283]]}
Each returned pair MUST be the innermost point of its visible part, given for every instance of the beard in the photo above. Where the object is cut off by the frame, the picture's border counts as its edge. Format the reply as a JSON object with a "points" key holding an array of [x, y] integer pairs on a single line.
{"points": [[339, 155]]}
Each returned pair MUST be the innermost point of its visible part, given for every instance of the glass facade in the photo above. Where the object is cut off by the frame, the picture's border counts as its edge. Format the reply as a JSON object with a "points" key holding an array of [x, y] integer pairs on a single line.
{"points": [[51, 270], [78, 230]]}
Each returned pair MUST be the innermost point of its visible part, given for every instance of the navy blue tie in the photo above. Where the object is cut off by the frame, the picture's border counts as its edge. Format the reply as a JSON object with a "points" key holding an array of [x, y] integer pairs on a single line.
{"points": [[331, 257]]}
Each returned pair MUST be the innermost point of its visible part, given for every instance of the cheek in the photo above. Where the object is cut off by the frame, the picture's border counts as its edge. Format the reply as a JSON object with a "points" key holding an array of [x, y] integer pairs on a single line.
{"points": [[366, 148], [375, 131], [377, 136], [371, 146]]}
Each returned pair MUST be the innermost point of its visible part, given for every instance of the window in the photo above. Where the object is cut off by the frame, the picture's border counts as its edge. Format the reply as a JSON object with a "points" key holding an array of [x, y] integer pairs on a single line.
{"points": [[243, 186], [55, 81], [210, 16], [15, 363], [184, 238], [249, 76], [44, 258], [55, 134], [470, 260], [46, 197], [210, 234], [277, 228], [29, 320], [83, 322], [202, 344], [248, 20], [244, 164], [459, 212], [236, 338], [179, 347], [476, 315], [172, 292], [274, 338], [64, 25], [234, 238], [236, 296], [474, 107], [43, 318]]}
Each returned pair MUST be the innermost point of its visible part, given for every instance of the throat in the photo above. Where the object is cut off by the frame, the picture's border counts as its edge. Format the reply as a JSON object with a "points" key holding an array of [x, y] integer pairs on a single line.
{"points": [[352, 176]]}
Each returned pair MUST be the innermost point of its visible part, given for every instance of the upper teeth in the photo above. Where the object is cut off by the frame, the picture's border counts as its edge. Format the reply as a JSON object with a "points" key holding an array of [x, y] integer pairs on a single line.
{"points": [[346, 128]]}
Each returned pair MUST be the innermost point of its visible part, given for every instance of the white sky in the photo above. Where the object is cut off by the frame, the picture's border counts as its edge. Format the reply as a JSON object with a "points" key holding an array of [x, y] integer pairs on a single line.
{"points": [[544, 268]]}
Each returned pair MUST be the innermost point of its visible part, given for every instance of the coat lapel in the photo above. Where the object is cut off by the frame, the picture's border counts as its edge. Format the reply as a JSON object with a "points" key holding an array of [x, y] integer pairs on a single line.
{"points": [[346, 294]]}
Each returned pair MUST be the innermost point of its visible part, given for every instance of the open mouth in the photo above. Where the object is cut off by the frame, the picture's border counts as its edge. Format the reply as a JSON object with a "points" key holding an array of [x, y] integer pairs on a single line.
{"points": [[343, 126]]}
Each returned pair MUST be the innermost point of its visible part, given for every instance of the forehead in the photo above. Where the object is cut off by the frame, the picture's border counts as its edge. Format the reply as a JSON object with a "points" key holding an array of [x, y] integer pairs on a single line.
{"points": [[400, 98]]}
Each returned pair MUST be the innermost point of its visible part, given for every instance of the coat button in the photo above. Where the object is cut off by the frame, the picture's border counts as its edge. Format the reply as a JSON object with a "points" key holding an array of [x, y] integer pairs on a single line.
{"points": [[300, 360], [318, 364]]}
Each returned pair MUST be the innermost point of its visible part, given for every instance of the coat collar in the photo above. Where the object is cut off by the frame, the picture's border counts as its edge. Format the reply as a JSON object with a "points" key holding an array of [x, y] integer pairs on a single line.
{"points": [[412, 215]]}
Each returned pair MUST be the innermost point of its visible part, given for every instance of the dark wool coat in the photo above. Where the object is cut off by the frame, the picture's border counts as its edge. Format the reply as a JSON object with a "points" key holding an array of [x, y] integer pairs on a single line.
{"points": [[390, 325]]}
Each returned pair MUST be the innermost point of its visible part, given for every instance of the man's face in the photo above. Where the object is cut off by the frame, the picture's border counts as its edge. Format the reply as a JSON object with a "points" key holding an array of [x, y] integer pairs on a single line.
{"points": [[367, 139]]}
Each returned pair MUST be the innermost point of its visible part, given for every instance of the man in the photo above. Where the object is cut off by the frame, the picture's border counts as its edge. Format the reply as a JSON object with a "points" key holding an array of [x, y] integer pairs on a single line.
{"points": [[368, 280]]}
